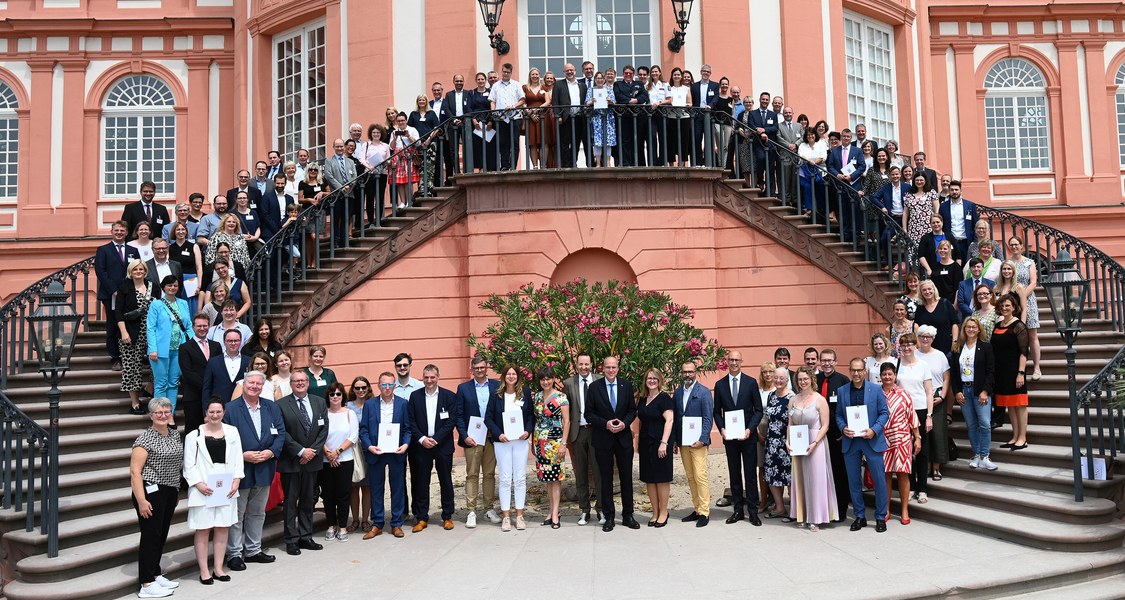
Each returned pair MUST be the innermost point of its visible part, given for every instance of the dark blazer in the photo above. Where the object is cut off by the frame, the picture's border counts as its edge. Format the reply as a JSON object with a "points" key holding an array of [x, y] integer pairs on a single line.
{"points": [[749, 401], [573, 390], [129, 311], [270, 211], [109, 269], [467, 406], [271, 437], [560, 96], [885, 196], [769, 123], [711, 95], [216, 381], [699, 404], [965, 294], [984, 370], [927, 248], [252, 193], [369, 425], [448, 109], [624, 92], [877, 415], [134, 213], [297, 440], [970, 220], [494, 418], [192, 366], [177, 270], [837, 160], [443, 427], [599, 412]]}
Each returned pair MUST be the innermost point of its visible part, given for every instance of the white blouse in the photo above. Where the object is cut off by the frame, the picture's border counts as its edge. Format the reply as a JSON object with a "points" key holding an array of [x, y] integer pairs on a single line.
{"points": [[342, 426]]}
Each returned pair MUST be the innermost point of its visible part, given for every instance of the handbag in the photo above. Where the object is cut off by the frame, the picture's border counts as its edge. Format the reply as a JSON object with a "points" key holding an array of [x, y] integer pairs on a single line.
{"points": [[359, 461]]}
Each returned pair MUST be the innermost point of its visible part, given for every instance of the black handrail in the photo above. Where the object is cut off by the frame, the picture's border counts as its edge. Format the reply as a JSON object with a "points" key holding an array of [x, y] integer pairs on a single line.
{"points": [[23, 438]]}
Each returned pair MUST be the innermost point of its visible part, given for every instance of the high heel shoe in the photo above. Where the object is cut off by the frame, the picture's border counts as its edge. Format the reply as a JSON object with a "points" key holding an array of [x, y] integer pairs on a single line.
{"points": [[660, 524]]}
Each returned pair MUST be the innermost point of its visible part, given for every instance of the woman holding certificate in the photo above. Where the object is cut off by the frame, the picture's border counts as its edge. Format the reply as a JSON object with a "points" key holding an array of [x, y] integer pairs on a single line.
{"points": [[777, 457], [213, 469], [813, 493], [903, 439], [552, 425], [605, 123], [916, 378], [510, 419], [655, 413]]}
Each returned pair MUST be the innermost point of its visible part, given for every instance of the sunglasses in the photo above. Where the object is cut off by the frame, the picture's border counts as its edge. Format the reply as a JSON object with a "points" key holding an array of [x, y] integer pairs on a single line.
{"points": [[387, 386], [335, 394], [403, 365], [360, 388]]}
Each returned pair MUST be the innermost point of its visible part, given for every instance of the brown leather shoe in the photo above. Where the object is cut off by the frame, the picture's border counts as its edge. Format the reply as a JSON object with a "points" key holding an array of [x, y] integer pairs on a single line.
{"points": [[447, 524], [374, 531], [419, 526], [397, 532]]}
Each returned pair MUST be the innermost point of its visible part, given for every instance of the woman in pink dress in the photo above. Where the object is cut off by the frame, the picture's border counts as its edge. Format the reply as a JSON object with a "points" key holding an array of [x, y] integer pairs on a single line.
{"points": [[813, 492], [903, 438]]}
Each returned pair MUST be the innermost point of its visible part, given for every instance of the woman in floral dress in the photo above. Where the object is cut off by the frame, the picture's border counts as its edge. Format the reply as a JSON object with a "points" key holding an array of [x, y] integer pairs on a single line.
{"points": [[777, 462], [552, 424], [903, 438], [919, 205]]}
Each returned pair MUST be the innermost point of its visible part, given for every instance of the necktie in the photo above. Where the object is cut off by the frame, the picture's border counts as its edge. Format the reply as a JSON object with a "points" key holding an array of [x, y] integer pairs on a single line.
{"points": [[304, 416], [976, 282], [613, 396], [734, 388], [121, 252], [824, 387], [585, 389], [148, 212], [206, 350]]}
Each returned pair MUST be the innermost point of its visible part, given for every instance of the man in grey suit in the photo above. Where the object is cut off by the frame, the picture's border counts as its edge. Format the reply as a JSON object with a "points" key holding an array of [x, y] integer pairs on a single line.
{"points": [[789, 135], [339, 170], [302, 457], [579, 443], [160, 266]]}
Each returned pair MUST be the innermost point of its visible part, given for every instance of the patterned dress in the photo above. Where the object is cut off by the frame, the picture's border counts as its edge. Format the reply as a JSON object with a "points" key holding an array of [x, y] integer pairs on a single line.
{"points": [[987, 323], [547, 437], [899, 431], [134, 357], [897, 333], [605, 123], [1023, 277], [921, 209], [777, 461]]}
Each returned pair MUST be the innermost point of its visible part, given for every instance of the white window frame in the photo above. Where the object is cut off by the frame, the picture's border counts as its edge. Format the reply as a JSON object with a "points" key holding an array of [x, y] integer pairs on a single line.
{"points": [[589, 39], [10, 145], [165, 188], [304, 139], [860, 102], [1120, 103], [1014, 99]]}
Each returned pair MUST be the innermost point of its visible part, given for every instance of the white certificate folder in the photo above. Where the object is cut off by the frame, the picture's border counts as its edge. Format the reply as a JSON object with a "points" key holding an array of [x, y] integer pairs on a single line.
{"points": [[388, 437], [799, 439]]}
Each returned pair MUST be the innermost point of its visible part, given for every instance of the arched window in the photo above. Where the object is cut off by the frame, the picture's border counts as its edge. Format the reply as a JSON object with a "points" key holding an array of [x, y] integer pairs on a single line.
{"points": [[606, 32], [139, 133], [1015, 117], [1120, 81], [9, 143]]}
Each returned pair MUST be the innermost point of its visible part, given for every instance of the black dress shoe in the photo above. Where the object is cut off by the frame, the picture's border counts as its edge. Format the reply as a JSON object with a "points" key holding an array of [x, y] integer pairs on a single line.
{"points": [[1008, 445], [755, 521], [1020, 446], [694, 516], [608, 525], [880, 526], [859, 524], [222, 578], [261, 557], [235, 563], [208, 581], [292, 549], [630, 522], [309, 545], [702, 521], [736, 517], [660, 524]]}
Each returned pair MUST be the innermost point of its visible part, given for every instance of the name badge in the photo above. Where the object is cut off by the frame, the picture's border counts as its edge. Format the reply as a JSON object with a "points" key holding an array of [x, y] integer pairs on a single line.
{"points": [[443, 415], [254, 206], [151, 488], [832, 398], [320, 381], [769, 121], [249, 217], [273, 430], [968, 217], [711, 93], [320, 422], [944, 272], [159, 220], [186, 253]]}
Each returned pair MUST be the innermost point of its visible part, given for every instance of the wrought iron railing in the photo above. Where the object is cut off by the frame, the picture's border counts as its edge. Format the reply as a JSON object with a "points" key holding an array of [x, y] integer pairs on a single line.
{"points": [[23, 440]]}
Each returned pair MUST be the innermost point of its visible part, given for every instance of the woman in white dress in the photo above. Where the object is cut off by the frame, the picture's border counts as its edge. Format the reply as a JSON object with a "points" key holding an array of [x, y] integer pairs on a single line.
{"points": [[212, 449]]}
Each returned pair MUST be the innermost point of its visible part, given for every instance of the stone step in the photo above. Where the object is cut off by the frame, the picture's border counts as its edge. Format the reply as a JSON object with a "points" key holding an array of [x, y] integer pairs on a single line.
{"points": [[1056, 456], [80, 505], [1093, 588], [1047, 478], [1027, 501]]}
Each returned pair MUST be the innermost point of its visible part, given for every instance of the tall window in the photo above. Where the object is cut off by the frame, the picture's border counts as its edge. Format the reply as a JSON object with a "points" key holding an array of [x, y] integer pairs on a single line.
{"points": [[1120, 81], [299, 114], [1015, 117], [607, 32], [139, 133], [870, 59], [9, 143]]}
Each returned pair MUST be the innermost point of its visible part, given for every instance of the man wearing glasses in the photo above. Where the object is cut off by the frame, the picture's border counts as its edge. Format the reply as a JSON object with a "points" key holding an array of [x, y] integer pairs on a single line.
{"points": [[828, 383], [694, 400], [480, 459], [405, 385]]}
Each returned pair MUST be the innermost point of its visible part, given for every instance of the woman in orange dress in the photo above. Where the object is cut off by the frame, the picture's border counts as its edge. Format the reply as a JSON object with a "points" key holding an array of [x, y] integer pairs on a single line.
{"points": [[550, 128], [535, 97]]}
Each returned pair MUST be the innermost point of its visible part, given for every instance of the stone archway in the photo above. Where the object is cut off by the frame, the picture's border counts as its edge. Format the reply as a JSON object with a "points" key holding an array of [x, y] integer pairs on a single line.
{"points": [[593, 265]]}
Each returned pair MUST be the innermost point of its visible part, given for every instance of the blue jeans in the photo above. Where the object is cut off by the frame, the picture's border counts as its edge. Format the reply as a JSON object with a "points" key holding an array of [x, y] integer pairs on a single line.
{"points": [[808, 189], [977, 420], [166, 377]]}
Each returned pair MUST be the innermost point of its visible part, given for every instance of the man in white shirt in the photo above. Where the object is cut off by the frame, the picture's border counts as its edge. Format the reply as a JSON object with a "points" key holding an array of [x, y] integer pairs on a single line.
{"points": [[689, 401], [159, 266], [302, 164], [433, 412], [405, 385], [579, 444], [508, 93]]}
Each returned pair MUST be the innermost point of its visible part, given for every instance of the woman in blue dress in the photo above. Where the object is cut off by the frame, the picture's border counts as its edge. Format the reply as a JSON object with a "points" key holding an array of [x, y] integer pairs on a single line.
{"points": [[605, 123]]}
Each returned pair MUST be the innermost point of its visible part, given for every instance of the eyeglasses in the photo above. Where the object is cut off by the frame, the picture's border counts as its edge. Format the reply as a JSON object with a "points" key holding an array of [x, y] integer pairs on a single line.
{"points": [[859, 370], [479, 368], [162, 413]]}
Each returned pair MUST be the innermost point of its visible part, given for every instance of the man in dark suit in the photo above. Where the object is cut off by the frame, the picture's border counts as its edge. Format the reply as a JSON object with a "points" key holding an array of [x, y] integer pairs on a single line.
{"points": [[968, 286], [262, 442], [764, 122], [272, 209], [110, 262], [145, 210], [382, 463], [453, 105], [302, 458], [160, 266], [634, 127], [580, 439], [846, 164], [480, 460], [869, 443], [828, 381], [610, 410], [693, 399], [193, 357], [920, 167], [739, 392], [959, 219], [253, 194], [226, 370], [704, 94], [433, 410], [889, 199], [570, 91]]}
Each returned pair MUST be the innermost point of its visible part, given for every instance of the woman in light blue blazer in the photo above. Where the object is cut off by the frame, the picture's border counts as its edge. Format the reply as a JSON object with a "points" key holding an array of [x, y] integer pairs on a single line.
{"points": [[168, 324]]}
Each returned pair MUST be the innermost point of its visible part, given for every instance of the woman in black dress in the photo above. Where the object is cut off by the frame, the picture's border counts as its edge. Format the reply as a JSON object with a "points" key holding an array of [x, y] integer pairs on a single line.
{"points": [[184, 251], [655, 412], [947, 274], [938, 312], [264, 340]]}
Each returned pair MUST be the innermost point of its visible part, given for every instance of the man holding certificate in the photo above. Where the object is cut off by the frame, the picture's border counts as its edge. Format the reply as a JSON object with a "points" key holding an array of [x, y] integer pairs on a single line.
{"points": [[472, 435], [694, 409], [384, 433], [861, 414], [611, 410], [738, 411]]}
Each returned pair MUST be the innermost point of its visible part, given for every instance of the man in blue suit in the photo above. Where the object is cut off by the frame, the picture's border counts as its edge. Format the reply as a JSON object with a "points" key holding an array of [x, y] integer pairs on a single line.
{"points": [[433, 411], [704, 94], [870, 443], [610, 411], [480, 460], [388, 409], [262, 431], [693, 399], [764, 122], [889, 199], [968, 286], [225, 371], [110, 262], [959, 217], [272, 208], [846, 164], [739, 391]]}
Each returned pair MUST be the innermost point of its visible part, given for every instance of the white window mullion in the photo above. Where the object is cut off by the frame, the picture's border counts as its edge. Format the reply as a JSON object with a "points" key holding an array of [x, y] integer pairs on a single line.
{"points": [[299, 109], [9, 143], [870, 75], [1120, 81], [138, 137], [1017, 126]]}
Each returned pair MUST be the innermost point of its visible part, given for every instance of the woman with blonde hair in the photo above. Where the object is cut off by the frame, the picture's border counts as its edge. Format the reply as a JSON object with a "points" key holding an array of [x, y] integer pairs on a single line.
{"points": [[131, 307], [654, 410], [511, 454], [766, 386], [880, 348], [312, 191], [812, 494], [972, 368], [230, 233]]}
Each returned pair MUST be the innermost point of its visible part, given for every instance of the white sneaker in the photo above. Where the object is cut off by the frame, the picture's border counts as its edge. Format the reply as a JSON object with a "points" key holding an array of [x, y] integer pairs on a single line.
{"points": [[471, 520], [164, 582], [330, 534], [154, 590], [975, 462], [987, 463], [583, 518], [601, 518], [492, 516], [342, 536]]}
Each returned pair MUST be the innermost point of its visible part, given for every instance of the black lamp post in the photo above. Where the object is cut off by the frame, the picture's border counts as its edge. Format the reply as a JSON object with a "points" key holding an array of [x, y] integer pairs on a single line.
{"points": [[682, 10], [490, 11], [54, 326], [1066, 292]]}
